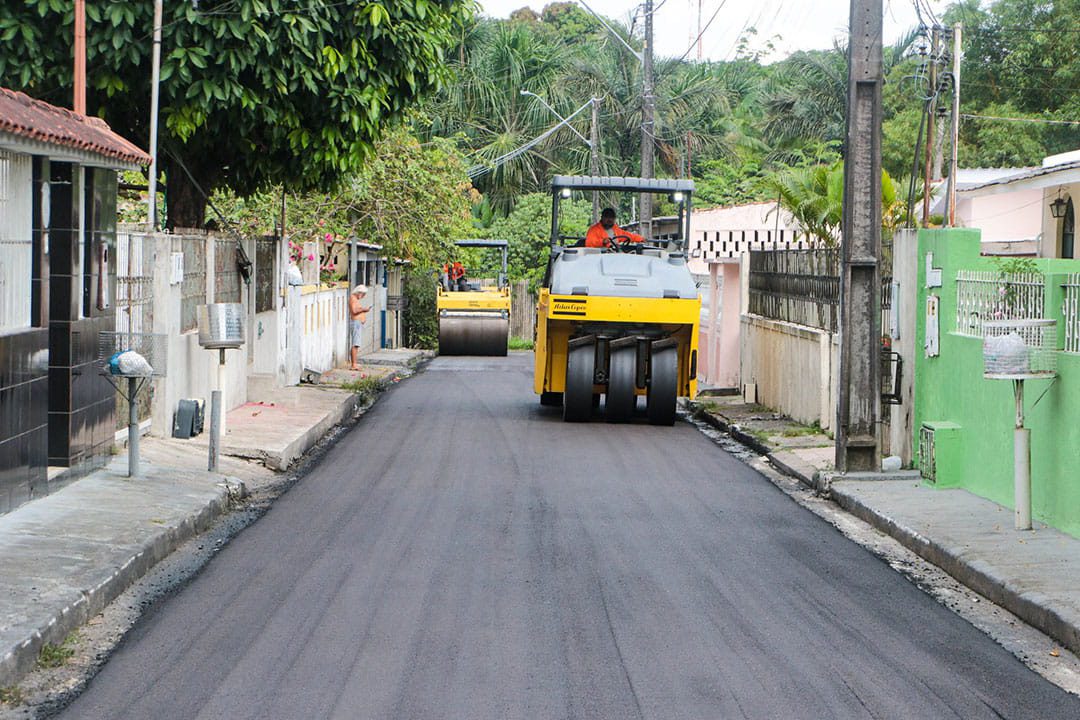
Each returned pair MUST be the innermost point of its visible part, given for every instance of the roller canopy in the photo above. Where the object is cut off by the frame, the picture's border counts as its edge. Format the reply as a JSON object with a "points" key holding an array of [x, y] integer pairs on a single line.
{"points": [[621, 184], [481, 243]]}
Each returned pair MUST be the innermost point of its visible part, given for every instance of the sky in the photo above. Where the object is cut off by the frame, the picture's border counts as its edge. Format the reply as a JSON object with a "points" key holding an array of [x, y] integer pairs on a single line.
{"points": [[791, 25]]}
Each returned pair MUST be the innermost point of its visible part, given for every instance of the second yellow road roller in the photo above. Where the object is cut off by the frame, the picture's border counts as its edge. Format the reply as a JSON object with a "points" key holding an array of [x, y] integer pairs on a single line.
{"points": [[619, 320], [474, 317]]}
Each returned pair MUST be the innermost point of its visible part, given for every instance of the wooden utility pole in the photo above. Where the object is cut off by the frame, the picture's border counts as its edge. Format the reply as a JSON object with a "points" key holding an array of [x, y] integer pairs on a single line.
{"points": [[594, 154], [931, 118], [857, 430], [958, 30], [647, 125], [79, 102]]}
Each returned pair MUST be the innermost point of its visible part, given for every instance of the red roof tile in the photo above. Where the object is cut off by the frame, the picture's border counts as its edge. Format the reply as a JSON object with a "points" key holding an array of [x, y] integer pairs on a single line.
{"points": [[23, 116]]}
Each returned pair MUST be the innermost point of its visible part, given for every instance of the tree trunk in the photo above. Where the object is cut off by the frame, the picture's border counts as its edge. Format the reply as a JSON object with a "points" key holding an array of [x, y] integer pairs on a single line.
{"points": [[185, 204]]}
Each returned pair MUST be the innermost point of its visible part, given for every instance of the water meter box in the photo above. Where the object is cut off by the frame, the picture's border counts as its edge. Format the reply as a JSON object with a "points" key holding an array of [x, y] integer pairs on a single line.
{"points": [[221, 325]]}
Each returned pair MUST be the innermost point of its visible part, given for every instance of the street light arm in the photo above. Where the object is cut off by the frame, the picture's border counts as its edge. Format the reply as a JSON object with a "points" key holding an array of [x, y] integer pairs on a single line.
{"points": [[556, 114]]}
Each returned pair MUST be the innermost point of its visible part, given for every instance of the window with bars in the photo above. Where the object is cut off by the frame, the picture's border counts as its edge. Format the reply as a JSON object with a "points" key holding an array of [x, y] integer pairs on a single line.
{"points": [[16, 241], [1071, 311]]}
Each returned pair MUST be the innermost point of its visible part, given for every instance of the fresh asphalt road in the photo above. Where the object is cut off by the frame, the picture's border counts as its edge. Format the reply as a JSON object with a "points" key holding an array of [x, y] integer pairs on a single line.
{"points": [[464, 554]]}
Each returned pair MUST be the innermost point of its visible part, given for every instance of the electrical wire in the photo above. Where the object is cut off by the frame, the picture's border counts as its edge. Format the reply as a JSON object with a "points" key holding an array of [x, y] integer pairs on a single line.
{"points": [[703, 30], [974, 116]]}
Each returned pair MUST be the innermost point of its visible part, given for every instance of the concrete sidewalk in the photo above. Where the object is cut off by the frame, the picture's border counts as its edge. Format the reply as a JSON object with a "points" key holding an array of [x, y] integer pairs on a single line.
{"points": [[1033, 574], [69, 554]]}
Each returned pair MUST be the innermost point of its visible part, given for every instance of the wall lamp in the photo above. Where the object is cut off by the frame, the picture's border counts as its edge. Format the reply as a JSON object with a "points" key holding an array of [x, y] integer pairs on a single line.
{"points": [[1058, 207]]}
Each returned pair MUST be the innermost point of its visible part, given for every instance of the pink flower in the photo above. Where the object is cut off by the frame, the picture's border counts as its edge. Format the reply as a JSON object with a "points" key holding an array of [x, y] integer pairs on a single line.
{"points": [[329, 237], [311, 257]]}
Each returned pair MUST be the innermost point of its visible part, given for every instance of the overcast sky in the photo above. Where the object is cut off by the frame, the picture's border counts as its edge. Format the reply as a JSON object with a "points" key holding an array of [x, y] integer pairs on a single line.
{"points": [[800, 24]]}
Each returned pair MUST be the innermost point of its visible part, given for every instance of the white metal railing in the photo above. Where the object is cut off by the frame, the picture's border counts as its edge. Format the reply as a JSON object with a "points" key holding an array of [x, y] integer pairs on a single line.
{"points": [[983, 296], [1070, 309]]}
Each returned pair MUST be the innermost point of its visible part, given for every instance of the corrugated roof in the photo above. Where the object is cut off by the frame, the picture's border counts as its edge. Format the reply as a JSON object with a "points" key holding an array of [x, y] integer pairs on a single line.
{"points": [[1026, 175], [25, 117]]}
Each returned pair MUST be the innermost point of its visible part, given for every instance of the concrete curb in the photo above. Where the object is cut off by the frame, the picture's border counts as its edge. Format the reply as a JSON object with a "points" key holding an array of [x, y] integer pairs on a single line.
{"points": [[281, 460], [21, 658], [979, 575]]}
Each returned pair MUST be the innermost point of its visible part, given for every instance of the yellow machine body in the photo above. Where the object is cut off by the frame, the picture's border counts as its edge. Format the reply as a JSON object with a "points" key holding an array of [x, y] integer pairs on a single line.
{"points": [[474, 322], [559, 317]]}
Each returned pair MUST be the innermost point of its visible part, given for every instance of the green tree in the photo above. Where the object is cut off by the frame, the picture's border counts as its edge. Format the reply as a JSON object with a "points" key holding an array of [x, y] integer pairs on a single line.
{"points": [[527, 229], [253, 92], [413, 200]]}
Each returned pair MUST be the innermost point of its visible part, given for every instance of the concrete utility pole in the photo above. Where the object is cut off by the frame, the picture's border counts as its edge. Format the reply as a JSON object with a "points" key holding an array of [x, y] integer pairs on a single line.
{"points": [[857, 436], [958, 30], [155, 78], [647, 124], [79, 101], [594, 154], [931, 118]]}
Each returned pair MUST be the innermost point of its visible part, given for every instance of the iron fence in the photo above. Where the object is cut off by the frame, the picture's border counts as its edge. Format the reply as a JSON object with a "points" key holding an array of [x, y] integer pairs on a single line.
{"points": [[796, 286]]}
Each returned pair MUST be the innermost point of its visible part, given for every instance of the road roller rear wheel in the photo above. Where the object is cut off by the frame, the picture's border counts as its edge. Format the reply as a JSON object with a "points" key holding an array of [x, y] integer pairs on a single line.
{"points": [[580, 367], [663, 386], [622, 373]]}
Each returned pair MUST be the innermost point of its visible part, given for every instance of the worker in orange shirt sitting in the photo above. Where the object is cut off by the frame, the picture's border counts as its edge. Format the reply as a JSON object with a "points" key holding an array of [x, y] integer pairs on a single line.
{"points": [[606, 233]]}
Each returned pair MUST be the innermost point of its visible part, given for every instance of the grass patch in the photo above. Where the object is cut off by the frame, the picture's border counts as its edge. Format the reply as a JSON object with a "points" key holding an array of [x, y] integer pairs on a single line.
{"points": [[54, 656], [367, 388], [521, 344], [801, 430], [11, 695]]}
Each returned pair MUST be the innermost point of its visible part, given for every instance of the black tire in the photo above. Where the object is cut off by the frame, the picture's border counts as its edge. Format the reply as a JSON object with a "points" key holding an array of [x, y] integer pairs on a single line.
{"points": [[551, 399], [580, 368], [663, 386], [622, 374]]}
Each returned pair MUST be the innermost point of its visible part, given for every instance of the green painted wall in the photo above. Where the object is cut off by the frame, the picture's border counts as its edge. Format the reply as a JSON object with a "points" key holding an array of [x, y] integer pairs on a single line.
{"points": [[950, 388]]}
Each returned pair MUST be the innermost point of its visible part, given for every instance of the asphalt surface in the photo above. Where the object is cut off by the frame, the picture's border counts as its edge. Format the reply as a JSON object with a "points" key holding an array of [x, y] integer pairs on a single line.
{"points": [[463, 553]]}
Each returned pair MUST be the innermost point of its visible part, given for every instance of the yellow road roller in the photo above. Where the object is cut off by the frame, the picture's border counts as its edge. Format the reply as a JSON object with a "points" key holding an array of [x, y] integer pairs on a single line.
{"points": [[474, 319], [619, 321]]}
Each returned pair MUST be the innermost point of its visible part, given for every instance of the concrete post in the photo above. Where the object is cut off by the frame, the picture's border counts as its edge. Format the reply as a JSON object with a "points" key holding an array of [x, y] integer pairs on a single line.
{"points": [[857, 429]]}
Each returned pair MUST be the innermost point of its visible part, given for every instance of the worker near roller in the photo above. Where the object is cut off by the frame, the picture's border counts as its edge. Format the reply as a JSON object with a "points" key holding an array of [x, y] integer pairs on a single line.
{"points": [[457, 277], [603, 233], [358, 316]]}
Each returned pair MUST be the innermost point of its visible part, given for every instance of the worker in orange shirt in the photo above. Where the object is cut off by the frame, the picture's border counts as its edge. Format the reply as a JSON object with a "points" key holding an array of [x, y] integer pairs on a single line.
{"points": [[606, 232]]}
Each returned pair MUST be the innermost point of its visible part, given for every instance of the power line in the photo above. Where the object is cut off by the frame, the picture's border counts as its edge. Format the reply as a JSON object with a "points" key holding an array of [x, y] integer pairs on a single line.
{"points": [[975, 116], [700, 34]]}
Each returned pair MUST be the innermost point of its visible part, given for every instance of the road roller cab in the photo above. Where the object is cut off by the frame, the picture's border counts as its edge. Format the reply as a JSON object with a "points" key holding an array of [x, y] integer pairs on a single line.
{"points": [[474, 316], [620, 321]]}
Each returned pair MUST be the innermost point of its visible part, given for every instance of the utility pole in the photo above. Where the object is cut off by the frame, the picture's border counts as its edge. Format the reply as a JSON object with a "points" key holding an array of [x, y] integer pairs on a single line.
{"points": [[594, 154], [931, 117], [647, 125], [155, 73], [699, 30], [857, 430], [79, 101], [958, 30]]}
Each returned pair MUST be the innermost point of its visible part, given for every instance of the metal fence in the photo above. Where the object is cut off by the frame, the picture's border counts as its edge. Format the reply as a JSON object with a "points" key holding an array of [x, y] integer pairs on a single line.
{"points": [[226, 272], [193, 286], [265, 254], [796, 286], [134, 283], [986, 295], [1070, 309]]}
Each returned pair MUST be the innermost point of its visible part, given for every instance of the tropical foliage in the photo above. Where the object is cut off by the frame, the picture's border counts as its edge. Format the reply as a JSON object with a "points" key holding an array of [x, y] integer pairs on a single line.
{"points": [[253, 92]]}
